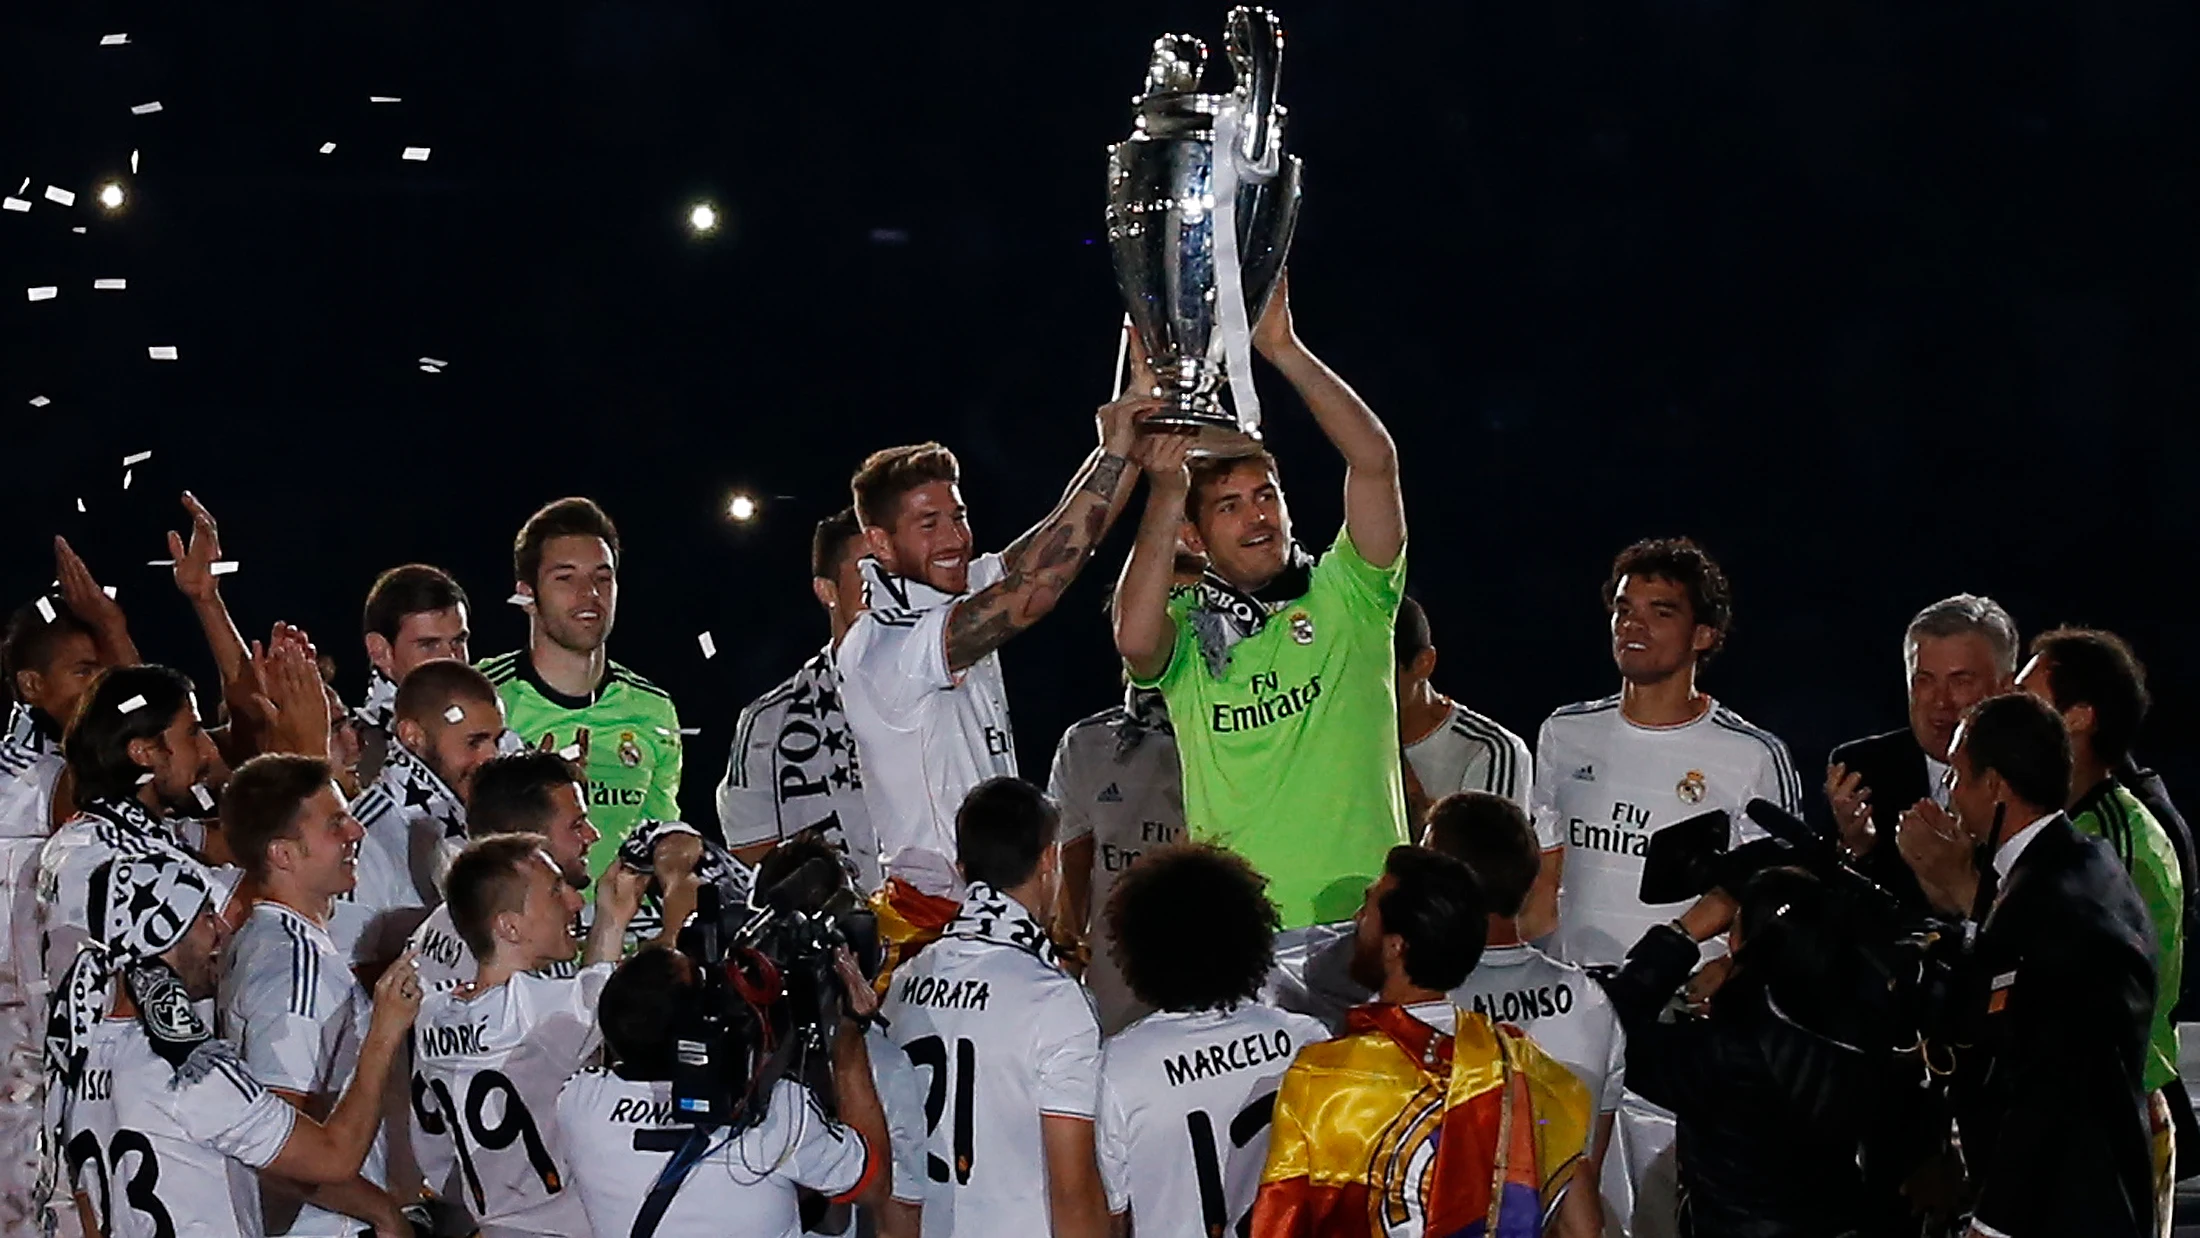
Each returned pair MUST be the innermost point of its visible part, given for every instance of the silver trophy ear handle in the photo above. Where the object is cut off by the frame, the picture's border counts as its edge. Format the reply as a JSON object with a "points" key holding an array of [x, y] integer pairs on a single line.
{"points": [[1255, 45], [1178, 62]]}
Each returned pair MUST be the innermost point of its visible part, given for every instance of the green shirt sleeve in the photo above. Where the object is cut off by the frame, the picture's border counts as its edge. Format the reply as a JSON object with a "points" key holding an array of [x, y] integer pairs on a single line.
{"points": [[1366, 588], [663, 799]]}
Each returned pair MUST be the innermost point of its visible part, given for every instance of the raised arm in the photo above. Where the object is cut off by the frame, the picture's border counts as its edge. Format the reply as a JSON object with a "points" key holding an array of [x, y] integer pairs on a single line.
{"points": [[195, 579], [1042, 563], [1374, 509], [90, 603], [1145, 635]]}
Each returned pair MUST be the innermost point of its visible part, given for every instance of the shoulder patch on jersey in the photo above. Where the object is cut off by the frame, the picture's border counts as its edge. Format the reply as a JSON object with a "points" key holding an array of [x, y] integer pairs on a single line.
{"points": [[500, 668], [631, 679], [1791, 784]]}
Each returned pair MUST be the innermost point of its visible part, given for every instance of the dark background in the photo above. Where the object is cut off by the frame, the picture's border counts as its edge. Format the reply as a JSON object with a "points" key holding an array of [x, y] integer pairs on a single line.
{"points": [[1879, 300]]}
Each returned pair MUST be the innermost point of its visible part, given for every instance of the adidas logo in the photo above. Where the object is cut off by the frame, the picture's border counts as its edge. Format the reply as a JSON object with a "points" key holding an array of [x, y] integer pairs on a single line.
{"points": [[1587, 773], [1111, 795]]}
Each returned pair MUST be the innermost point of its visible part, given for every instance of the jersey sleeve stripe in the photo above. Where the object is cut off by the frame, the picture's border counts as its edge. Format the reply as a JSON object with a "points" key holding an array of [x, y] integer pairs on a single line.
{"points": [[1504, 777], [305, 970], [632, 680], [1586, 707], [1791, 785]]}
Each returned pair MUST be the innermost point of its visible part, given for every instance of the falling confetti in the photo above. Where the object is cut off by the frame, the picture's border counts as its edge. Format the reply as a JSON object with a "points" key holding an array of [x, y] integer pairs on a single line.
{"points": [[161, 352], [328, 148], [691, 730], [222, 568], [44, 292], [16, 204], [571, 752], [139, 458], [113, 40], [434, 361], [145, 777], [710, 647], [429, 369], [45, 610], [132, 705], [383, 99], [55, 193], [160, 563], [520, 600], [39, 401], [203, 796], [76, 229], [145, 109], [80, 505], [126, 479], [456, 713], [109, 285], [109, 590], [133, 163], [418, 154]]}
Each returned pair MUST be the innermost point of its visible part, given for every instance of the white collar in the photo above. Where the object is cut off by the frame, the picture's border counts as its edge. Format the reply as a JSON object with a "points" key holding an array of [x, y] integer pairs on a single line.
{"points": [[1512, 955], [1443, 1016], [884, 590], [2005, 859]]}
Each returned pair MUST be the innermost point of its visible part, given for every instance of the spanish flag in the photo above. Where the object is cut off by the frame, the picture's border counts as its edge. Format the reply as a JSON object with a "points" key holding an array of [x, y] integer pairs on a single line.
{"points": [[1395, 1130]]}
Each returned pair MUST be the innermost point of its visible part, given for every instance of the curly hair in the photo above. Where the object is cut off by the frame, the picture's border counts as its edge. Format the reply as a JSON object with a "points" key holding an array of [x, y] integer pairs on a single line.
{"points": [[1682, 561], [1192, 927]]}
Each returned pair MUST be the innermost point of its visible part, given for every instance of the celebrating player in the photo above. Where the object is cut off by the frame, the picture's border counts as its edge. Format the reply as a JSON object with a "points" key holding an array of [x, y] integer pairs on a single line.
{"points": [[1556, 1004], [492, 1054], [1278, 669], [922, 682], [564, 689], [1185, 1092], [995, 1023], [155, 1110], [288, 997], [793, 766], [414, 614], [1448, 747]]}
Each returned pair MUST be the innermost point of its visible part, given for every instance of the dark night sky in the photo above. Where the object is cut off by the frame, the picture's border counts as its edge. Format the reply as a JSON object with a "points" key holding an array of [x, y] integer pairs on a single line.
{"points": [[1879, 300]]}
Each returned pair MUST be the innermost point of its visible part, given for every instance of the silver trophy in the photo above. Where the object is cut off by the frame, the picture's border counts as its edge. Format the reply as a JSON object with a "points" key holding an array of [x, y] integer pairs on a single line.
{"points": [[1201, 203]]}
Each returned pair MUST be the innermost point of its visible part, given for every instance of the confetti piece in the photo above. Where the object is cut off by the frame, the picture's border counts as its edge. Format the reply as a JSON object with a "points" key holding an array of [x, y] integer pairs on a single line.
{"points": [[437, 361], [16, 204], [77, 229], [382, 99], [691, 730], [133, 163], [710, 647], [39, 401], [109, 590], [80, 505], [161, 352], [328, 148], [203, 796], [145, 777], [222, 567], [138, 458], [55, 193], [113, 40], [25, 186], [132, 705], [520, 600], [571, 752], [456, 713], [126, 479], [160, 563], [418, 154], [145, 109], [429, 369], [109, 285], [45, 610], [45, 292]]}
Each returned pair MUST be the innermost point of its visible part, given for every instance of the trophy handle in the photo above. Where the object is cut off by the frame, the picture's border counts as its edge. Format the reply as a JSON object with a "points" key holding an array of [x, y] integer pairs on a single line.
{"points": [[1255, 44]]}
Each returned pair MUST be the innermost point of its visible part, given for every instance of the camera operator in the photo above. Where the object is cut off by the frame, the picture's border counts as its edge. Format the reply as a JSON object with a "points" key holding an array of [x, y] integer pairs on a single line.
{"points": [[807, 871], [621, 1127], [1772, 1089], [512, 1035], [2055, 1000]]}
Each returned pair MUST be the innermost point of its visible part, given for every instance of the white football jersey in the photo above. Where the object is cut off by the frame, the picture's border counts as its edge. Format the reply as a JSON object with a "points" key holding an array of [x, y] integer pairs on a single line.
{"points": [[1185, 1100], [1472, 753], [444, 961], [408, 813], [289, 1001], [1561, 1009], [927, 734], [1002, 1038], [160, 1156], [1122, 788], [27, 778], [487, 1071], [620, 1134], [1604, 785], [793, 767]]}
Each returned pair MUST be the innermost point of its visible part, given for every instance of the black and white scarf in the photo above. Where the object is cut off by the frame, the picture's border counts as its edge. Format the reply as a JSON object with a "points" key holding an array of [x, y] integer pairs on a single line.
{"points": [[124, 824], [140, 907], [31, 728], [380, 707], [990, 916], [717, 868], [418, 792], [1145, 713], [1222, 614]]}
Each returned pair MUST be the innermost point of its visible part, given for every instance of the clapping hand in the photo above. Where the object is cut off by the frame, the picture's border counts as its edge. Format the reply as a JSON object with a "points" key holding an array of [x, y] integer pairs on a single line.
{"points": [[90, 603], [194, 563], [1940, 853], [1852, 808]]}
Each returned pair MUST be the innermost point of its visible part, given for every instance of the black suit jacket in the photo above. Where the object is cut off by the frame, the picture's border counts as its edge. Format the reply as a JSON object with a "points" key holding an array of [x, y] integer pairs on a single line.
{"points": [[2055, 999], [1893, 770]]}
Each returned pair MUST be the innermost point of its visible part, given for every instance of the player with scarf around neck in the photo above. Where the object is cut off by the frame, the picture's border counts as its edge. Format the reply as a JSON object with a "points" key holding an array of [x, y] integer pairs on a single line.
{"points": [[1277, 667]]}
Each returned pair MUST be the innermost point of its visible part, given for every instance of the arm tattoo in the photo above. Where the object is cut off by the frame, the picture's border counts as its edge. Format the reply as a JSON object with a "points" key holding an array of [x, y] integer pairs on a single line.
{"points": [[1036, 568]]}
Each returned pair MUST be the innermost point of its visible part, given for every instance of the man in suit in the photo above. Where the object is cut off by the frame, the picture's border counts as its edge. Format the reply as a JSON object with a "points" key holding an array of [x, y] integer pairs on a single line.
{"points": [[2055, 996], [1957, 652]]}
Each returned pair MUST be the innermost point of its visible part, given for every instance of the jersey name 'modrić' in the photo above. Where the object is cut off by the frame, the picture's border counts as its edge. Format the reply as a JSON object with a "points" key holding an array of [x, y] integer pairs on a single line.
{"points": [[1229, 719], [964, 994], [1244, 1053]]}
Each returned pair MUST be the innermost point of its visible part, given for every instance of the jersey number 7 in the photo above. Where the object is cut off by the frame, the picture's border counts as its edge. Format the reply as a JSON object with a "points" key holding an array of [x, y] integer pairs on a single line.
{"points": [[931, 1052]]}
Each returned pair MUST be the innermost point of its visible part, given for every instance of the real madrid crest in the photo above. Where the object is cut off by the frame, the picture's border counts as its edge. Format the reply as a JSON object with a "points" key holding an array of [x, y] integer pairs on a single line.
{"points": [[1690, 788], [1302, 628], [630, 753]]}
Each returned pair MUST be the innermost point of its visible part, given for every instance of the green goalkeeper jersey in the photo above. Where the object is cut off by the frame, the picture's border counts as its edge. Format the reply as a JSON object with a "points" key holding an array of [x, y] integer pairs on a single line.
{"points": [[633, 742], [2115, 816]]}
